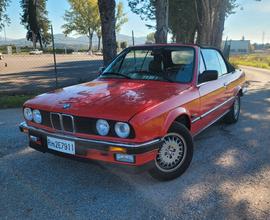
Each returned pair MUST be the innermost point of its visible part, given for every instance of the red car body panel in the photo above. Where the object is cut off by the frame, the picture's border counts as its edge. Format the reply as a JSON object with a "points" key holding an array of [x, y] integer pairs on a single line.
{"points": [[149, 106], [109, 99]]}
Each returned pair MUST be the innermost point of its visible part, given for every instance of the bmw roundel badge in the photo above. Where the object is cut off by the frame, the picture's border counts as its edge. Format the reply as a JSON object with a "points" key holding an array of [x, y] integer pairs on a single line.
{"points": [[66, 106]]}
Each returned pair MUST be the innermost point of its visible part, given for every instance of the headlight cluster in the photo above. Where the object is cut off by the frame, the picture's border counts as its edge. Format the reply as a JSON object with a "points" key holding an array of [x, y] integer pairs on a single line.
{"points": [[34, 115], [121, 129]]}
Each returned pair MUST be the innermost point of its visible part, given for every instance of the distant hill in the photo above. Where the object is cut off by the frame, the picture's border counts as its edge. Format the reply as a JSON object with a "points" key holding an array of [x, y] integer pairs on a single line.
{"points": [[81, 42]]}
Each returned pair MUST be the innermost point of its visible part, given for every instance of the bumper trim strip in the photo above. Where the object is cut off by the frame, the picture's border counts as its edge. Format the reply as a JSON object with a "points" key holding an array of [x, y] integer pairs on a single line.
{"points": [[23, 126]]}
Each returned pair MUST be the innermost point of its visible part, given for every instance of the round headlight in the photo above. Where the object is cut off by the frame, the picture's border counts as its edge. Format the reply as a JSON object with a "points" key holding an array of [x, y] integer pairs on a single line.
{"points": [[122, 129], [37, 116], [103, 127], [27, 113]]}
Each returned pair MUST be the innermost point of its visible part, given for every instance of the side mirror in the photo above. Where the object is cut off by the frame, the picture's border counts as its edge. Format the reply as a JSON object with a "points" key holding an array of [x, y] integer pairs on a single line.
{"points": [[208, 75], [100, 70]]}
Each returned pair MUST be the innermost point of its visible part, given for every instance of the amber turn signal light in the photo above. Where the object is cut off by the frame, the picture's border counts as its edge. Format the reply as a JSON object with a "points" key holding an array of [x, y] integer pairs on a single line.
{"points": [[118, 149]]}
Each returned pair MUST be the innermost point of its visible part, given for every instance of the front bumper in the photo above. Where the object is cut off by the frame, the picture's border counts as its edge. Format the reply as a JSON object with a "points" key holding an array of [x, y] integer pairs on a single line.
{"points": [[144, 153]]}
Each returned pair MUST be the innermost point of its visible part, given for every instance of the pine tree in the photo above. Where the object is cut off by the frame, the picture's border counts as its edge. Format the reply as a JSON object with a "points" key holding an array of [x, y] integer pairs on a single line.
{"points": [[35, 19]]}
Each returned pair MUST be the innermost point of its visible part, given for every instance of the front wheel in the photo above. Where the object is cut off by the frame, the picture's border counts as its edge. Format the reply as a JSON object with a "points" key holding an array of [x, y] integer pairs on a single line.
{"points": [[174, 155]]}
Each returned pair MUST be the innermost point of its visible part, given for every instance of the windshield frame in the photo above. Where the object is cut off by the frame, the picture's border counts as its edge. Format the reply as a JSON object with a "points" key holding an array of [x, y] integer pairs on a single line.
{"points": [[123, 53]]}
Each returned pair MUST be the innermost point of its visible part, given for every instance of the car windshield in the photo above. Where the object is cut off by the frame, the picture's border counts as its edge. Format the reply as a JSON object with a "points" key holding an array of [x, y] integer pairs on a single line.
{"points": [[173, 64]]}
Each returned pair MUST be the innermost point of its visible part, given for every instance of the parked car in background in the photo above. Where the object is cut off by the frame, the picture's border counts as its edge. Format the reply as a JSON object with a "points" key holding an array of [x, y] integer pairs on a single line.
{"points": [[36, 52], [142, 111]]}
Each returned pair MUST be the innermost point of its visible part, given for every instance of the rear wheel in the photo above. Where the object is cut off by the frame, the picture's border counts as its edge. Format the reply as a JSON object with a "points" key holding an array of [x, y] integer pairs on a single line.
{"points": [[233, 115], [175, 154]]}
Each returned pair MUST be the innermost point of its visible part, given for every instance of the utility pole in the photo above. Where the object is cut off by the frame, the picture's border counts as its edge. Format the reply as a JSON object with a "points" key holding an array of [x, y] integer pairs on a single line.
{"points": [[5, 34], [133, 42], [54, 58]]}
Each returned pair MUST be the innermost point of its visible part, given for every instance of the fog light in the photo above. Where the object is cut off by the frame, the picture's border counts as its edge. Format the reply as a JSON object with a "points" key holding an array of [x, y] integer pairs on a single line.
{"points": [[34, 138], [125, 158]]}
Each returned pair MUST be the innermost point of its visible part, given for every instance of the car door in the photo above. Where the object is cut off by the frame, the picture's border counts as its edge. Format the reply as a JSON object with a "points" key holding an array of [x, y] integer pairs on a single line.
{"points": [[212, 93], [229, 77]]}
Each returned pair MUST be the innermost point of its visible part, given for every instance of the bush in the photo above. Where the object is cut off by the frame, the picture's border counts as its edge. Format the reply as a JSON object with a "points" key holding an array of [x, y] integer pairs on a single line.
{"points": [[255, 60], [123, 45]]}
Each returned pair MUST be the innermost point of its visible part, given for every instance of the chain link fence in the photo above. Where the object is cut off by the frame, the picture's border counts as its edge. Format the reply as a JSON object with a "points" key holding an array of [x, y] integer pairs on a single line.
{"points": [[27, 71]]}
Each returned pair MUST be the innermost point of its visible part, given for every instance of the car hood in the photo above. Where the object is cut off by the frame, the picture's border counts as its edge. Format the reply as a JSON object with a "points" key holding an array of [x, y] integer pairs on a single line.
{"points": [[109, 99]]}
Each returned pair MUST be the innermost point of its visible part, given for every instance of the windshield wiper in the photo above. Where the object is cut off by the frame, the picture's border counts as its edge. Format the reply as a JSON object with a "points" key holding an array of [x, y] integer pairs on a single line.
{"points": [[116, 74]]}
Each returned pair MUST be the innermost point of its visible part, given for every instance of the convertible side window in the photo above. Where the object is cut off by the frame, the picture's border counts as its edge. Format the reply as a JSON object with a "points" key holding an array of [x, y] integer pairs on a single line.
{"points": [[211, 60], [202, 65], [223, 65]]}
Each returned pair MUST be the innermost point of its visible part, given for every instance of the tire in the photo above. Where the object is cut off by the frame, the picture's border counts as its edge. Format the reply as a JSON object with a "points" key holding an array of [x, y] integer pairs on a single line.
{"points": [[177, 147], [233, 115]]}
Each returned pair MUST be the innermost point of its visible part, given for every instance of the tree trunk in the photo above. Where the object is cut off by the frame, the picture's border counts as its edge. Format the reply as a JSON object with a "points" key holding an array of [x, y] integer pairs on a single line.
{"points": [[211, 18], [218, 26], [180, 37], [205, 21], [185, 36], [99, 40], [107, 16], [162, 14], [40, 41], [191, 36], [34, 40], [90, 36]]}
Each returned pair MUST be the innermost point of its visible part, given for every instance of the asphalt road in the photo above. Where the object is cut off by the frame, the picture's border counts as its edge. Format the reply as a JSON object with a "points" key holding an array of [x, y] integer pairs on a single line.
{"points": [[229, 177]]}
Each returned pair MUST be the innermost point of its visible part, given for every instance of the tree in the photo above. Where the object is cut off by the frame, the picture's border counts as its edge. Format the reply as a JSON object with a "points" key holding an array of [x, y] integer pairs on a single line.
{"points": [[162, 13], [144, 8], [226, 8], [121, 17], [150, 38], [108, 25], [211, 15], [83, 18], [35, 20], [99, 35], [4, 19], [182, 21], [188, 17], [153, 10], [123, 45]]}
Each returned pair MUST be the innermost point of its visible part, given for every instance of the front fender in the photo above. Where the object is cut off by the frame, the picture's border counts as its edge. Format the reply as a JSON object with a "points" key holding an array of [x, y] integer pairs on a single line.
{"points": [[153, 125], [172, 116]]}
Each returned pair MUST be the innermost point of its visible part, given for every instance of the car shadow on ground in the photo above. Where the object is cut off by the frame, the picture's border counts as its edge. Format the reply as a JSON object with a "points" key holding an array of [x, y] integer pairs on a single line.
{"points": [[227, 179]]}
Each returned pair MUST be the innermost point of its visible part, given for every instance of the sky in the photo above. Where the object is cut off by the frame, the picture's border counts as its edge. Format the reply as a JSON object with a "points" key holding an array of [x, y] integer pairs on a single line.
{"points": [[251, 20]]}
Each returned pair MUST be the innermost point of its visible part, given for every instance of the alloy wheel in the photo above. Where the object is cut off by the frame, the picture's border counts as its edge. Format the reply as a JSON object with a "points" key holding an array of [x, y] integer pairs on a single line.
{"points": [[172, 153]]}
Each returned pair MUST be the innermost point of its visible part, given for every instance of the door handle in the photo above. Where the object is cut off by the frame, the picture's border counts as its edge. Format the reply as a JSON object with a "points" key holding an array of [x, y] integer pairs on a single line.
{"points": [[225, 84]]}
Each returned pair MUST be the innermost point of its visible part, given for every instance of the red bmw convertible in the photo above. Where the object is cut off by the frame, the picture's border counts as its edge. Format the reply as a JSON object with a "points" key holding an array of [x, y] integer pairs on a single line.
{"points": [[142, 111]]}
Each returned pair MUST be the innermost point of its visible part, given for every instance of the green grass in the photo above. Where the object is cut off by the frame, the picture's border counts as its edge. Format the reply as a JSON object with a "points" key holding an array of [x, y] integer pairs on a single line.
{"points": [[256, 60], [13, 101]]}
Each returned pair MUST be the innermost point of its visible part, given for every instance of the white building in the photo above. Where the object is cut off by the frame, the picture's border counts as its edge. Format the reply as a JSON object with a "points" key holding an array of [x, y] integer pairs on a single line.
{"points": [[239, 46]]}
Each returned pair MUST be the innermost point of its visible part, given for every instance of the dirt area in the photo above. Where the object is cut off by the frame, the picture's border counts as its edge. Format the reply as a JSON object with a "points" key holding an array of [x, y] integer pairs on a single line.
{"points": [[30, 73]]}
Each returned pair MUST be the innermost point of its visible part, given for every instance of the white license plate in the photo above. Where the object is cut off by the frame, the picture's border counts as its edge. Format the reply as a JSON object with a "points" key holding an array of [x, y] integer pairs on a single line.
{"points": [[61, 145]]}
